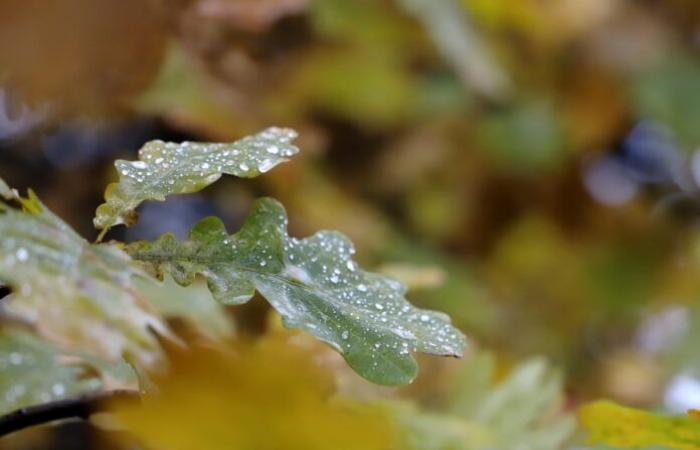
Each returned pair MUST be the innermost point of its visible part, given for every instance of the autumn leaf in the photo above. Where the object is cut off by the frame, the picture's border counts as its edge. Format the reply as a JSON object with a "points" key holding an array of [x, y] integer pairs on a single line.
{"points": [[622, 427], [267, 396]]}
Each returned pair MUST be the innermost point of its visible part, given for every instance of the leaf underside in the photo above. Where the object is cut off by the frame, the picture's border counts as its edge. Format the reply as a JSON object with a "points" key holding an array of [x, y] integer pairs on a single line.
{"points": [[166, 168], [314, 284]]}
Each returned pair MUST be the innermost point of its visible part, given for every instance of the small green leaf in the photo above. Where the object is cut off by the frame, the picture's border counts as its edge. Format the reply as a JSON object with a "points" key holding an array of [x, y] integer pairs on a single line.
{"points": [[314, 284], [622, 427], [166, 168]]}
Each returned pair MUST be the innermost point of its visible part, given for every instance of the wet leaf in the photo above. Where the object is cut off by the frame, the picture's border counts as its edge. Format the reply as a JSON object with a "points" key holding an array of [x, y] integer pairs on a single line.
{"points": [[76, 294], [622, 427], [166, 168], [31, 372], [314, 284], [269, 396]]}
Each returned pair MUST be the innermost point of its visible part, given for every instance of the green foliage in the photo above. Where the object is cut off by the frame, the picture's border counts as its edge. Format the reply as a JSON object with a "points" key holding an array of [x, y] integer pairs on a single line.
{"points": [[169, 168], [484, 141], [94, 305], [314, 284]]}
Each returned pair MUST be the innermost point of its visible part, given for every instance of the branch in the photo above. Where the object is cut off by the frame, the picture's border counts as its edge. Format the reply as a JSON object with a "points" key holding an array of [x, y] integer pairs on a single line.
{"points": [[79, 407]]}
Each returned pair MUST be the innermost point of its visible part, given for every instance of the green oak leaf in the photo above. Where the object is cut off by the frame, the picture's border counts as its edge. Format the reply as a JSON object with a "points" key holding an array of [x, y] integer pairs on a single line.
{"points": [[166, 168], [76, 294], [314, 284]]}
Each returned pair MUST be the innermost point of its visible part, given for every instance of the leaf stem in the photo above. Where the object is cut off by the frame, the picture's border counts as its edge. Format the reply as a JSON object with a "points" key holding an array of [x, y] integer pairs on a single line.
{"points": [[79, 407], [101, 235]]}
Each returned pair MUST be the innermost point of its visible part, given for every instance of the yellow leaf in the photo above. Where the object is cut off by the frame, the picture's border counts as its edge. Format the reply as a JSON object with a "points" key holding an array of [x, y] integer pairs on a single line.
{"points": [[268, 396], [619, 426]]}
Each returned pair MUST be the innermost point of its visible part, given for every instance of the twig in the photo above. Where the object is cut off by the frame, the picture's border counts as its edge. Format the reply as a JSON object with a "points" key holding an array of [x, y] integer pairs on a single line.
{"points": [[79, 407]]}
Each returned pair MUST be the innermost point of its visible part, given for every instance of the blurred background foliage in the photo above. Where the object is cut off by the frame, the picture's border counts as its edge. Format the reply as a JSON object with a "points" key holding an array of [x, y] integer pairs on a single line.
{"points": [[530, 167]]}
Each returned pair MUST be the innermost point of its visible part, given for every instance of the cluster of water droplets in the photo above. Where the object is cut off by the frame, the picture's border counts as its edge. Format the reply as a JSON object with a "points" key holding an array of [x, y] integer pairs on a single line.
{"points": [[327, 292], [29, 376], [29, 248], [368, 306], [172, 167]]}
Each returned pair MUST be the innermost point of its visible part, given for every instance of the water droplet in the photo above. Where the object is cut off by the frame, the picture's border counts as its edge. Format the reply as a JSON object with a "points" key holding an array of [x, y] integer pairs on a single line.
{"points": [[424, 318], [139, 164], [344, 335], [243, 166], [22, 254], [16, 358], [266, 165], [58, 389], [273, 150], [362, 288]]}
